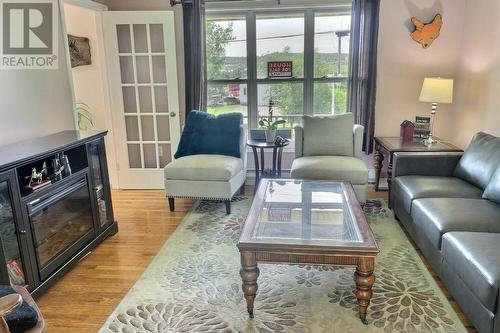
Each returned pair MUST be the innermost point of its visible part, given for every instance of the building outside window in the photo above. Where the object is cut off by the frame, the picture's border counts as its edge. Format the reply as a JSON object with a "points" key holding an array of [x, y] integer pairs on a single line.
{"points": [[240, 44]]}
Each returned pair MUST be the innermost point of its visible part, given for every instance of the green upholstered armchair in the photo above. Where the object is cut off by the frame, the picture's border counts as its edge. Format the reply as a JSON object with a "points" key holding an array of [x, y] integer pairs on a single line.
{"points": [[330, 148]]}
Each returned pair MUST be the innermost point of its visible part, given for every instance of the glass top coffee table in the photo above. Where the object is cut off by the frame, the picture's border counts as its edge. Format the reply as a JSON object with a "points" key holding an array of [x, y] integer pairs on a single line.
{"points": [[307, 222]]}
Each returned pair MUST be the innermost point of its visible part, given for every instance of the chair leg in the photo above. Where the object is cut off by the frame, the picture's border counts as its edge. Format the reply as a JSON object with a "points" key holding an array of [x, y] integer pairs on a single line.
{"points": [[228, 207], [171, 204]]}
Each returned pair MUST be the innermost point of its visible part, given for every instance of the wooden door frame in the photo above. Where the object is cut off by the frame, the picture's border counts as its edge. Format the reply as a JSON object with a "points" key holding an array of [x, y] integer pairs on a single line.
{"points": [[167, 19]]}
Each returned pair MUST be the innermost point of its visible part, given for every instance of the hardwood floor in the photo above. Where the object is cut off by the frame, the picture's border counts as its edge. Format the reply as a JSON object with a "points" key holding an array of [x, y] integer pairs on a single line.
{"points": [[83, 299]]}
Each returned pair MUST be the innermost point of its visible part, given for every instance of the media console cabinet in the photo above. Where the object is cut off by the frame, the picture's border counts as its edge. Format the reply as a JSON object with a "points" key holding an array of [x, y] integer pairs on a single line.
{"points": [[49, 226]]}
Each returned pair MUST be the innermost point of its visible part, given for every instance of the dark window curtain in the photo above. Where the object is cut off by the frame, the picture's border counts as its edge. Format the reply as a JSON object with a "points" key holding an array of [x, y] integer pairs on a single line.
{"points": [[194, 54], [363, 67]]}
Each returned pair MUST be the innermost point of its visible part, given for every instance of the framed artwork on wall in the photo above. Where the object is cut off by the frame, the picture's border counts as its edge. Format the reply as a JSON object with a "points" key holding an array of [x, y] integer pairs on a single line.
{"points": [[79, 50]]}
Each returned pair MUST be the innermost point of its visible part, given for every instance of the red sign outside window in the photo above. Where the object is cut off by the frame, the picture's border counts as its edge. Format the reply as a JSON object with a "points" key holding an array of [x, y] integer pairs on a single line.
{"points": [[279, 69]]}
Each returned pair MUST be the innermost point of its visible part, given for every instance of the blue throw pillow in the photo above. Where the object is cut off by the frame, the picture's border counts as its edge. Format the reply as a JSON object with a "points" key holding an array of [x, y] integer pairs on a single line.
{"points": [[205, 133]]}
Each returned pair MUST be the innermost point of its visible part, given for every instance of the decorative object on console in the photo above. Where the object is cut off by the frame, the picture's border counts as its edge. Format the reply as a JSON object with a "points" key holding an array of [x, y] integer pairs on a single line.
{"points": [[55, 172], [422, 127], [59, 167], [436, 90], [426, 34], [79, 50], [66, 167], [407, 130], [37, 179]]}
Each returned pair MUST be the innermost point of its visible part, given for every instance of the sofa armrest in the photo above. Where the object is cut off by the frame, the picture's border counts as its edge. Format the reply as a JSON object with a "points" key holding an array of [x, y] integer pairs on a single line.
{"points": [[358, 132], [299, 141], [425, 164]]}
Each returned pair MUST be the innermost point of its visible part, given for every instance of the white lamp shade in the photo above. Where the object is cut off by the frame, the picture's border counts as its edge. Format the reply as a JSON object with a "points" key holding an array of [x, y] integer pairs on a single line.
{"points": [[437, 90]]}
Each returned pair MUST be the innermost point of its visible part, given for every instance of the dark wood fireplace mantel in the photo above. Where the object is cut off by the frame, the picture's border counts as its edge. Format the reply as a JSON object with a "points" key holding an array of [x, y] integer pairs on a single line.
{"points": [[45, 231]]}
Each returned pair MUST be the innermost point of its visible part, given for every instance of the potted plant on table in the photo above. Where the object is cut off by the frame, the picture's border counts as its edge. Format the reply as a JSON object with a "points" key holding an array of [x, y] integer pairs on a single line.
{"points": [[269, 125]]}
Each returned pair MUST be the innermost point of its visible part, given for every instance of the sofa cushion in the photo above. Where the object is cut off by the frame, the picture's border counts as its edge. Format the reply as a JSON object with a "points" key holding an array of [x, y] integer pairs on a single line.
{"points": [[205, 133], [204, 167], [492, 191], [327, 136], [340, 168], [474, 258], [409, 188], [480, 160], [437, 216]]}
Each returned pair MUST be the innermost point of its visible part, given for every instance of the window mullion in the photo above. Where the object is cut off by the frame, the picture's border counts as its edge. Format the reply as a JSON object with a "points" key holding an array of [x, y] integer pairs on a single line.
{"points": [[308, 61], [252, 69]]}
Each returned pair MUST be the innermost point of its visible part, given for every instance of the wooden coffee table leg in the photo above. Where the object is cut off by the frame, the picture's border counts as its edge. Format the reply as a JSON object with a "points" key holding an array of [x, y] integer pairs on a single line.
{"points": [[249, 273], [364, 279]]}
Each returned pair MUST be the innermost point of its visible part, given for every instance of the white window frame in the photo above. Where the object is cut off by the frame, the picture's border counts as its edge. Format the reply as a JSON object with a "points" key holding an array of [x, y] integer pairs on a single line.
{"points": [[252, 81]]}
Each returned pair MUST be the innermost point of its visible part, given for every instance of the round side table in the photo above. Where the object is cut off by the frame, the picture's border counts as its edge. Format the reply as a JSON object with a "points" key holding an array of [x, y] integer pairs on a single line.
{"points": [[277, 153]]}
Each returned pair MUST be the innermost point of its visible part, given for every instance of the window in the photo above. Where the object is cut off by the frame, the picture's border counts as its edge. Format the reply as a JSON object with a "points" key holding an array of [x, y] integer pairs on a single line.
{"points": [[239, 46], [226, 65], [331, 63], [280, 38]]}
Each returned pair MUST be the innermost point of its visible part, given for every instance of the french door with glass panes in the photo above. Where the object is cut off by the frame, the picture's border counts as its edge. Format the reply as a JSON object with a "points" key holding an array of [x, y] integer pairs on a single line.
{"points": [[142, 69]]}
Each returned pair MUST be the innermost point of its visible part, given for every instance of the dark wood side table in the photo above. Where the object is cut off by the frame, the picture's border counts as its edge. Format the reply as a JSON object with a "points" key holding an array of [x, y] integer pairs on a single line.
{"points": [[390, 145], [277, 154]]}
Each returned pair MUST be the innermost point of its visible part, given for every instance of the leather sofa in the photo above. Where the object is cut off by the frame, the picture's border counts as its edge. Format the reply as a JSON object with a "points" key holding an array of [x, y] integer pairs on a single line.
{"points": [[450, 205]]}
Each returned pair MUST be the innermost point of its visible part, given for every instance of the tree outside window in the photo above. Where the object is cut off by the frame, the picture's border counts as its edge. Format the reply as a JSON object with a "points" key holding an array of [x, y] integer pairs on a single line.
{"points": [[227, 64]]}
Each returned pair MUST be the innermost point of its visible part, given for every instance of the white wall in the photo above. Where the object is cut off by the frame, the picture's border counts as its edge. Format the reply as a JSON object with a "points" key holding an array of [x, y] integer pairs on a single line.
{"points": [[477, 107], [468, 50], [35, 102], [88, 80], [402, 63]]}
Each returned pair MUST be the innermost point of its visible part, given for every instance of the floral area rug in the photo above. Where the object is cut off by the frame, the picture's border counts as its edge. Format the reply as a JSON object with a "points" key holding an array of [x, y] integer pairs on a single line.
{"points": [[193, 285]]}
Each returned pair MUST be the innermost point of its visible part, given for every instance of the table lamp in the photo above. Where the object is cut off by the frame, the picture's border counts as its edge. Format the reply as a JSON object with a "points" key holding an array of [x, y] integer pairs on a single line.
{"points": [[436, 90]]}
